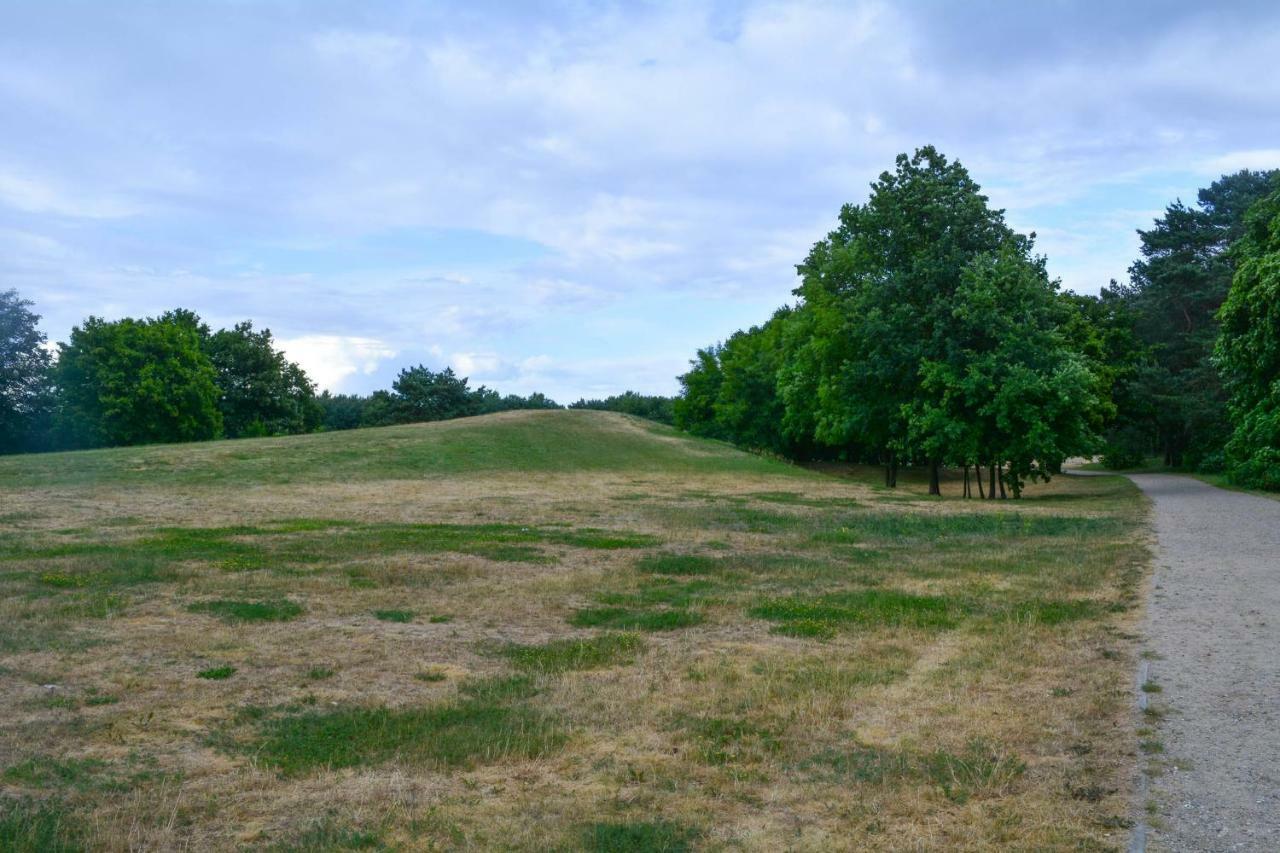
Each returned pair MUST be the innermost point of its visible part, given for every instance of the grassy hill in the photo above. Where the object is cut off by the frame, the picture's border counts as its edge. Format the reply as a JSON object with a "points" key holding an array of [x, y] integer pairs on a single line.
{"points": [[511, 442], [553, 630]]}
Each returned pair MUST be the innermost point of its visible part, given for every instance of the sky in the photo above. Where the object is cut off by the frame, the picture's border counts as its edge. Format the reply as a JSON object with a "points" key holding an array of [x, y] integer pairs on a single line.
{"points": [[573, 197]]}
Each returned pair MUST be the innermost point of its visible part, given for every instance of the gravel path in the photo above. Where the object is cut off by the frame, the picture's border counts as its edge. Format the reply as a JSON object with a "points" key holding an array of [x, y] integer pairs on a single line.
{"points": [[1213, 641]]}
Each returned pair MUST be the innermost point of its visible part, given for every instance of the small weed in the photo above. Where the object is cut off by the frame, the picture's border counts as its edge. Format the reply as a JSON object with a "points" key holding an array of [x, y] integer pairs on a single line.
{"points": [[564, 655], [440, 619], [319, 673], [280, 610], [1152, 687], [431, 675], [217, 673], [1151, 746], [394, 615], [1060, 692]]}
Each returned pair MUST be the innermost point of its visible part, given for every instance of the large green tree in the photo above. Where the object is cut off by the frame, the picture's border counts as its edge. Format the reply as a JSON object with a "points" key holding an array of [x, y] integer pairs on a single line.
{"points": [[25, 393], [1008, 388], [881, 288], [261, 391], [1248, 350], [135, 382], [1176, 289]]}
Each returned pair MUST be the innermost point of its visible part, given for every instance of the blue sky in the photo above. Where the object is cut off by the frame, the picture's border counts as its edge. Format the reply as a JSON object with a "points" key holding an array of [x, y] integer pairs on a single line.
{"points": [[572, 197]]}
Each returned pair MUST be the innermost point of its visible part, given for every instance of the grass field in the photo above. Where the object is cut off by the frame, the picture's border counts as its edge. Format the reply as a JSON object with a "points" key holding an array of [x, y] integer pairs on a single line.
{"points": [[555, 631]]}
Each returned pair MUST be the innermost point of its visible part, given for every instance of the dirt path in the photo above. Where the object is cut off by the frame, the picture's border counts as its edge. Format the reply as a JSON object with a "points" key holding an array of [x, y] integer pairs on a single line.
{"points": [[1213, 643]]}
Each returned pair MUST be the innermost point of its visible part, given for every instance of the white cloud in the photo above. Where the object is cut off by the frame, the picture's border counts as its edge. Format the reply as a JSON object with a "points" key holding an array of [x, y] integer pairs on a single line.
{"points": [[330, 359], [1258, 158], [31, 195]]}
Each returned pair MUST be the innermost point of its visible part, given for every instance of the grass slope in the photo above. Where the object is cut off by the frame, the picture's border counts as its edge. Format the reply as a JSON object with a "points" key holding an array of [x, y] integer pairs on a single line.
{"points": [[554, 631], [513, 442]]}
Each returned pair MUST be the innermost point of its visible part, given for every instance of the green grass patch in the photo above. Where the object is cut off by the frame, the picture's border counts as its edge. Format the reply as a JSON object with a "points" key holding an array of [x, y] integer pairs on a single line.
{"points": [[566, 655], [663, 591], [640, 620], [658, 836], [730, 740], [38, 826], [217, 673], [977, 770], [463, 734], [677, 564], [279, 610], [911, 528], [863, 607], [82, 774], [394, 615], [440, 619]]}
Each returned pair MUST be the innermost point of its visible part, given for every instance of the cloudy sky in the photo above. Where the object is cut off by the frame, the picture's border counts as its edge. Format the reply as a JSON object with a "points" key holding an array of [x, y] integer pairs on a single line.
{"points": [[571, 197]]}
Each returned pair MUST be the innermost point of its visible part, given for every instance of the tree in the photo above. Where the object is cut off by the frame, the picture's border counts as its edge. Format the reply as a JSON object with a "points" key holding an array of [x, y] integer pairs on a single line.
{"points": [[694, 411], [880, 285], [135, 382], [25, 393], [1248, 350], [261, 392], [423, 395], [1176, 289]]}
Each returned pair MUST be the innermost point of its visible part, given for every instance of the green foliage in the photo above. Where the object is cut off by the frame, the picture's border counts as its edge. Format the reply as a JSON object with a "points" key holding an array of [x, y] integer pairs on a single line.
{"points": [[652, 407], [926, 332], [262, 393], [135, 382], [217, 673], [25, 391], [1248, 351], [1175, 290]]}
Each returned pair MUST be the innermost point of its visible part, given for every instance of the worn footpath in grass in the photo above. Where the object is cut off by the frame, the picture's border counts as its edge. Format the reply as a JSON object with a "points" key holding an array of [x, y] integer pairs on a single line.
{"points": [[555, 631]]}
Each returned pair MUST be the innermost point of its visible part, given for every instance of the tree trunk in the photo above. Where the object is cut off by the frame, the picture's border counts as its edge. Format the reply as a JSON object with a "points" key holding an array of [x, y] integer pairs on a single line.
{"points": [[991, 486], [888, 471], [966, 479], [981, 492], [935, 487], [893, 481], [1000, 480]]}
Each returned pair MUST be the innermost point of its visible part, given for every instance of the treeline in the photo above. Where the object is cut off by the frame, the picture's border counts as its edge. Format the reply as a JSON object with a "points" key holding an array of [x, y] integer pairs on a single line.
{"points": [[927, 332], [420, 394], [653, 407], [171, 379]]}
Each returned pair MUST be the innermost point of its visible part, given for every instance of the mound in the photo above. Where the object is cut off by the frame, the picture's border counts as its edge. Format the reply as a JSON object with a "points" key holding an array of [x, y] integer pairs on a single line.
{"points": [[533, 441]]}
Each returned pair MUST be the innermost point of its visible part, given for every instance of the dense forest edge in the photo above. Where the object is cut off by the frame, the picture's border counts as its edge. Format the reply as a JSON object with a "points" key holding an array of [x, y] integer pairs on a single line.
{"points": [[925, 331]]}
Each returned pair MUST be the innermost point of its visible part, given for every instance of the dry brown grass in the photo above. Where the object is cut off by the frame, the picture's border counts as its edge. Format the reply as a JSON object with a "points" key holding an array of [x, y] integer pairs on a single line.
{"points": [[725, 728]]}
